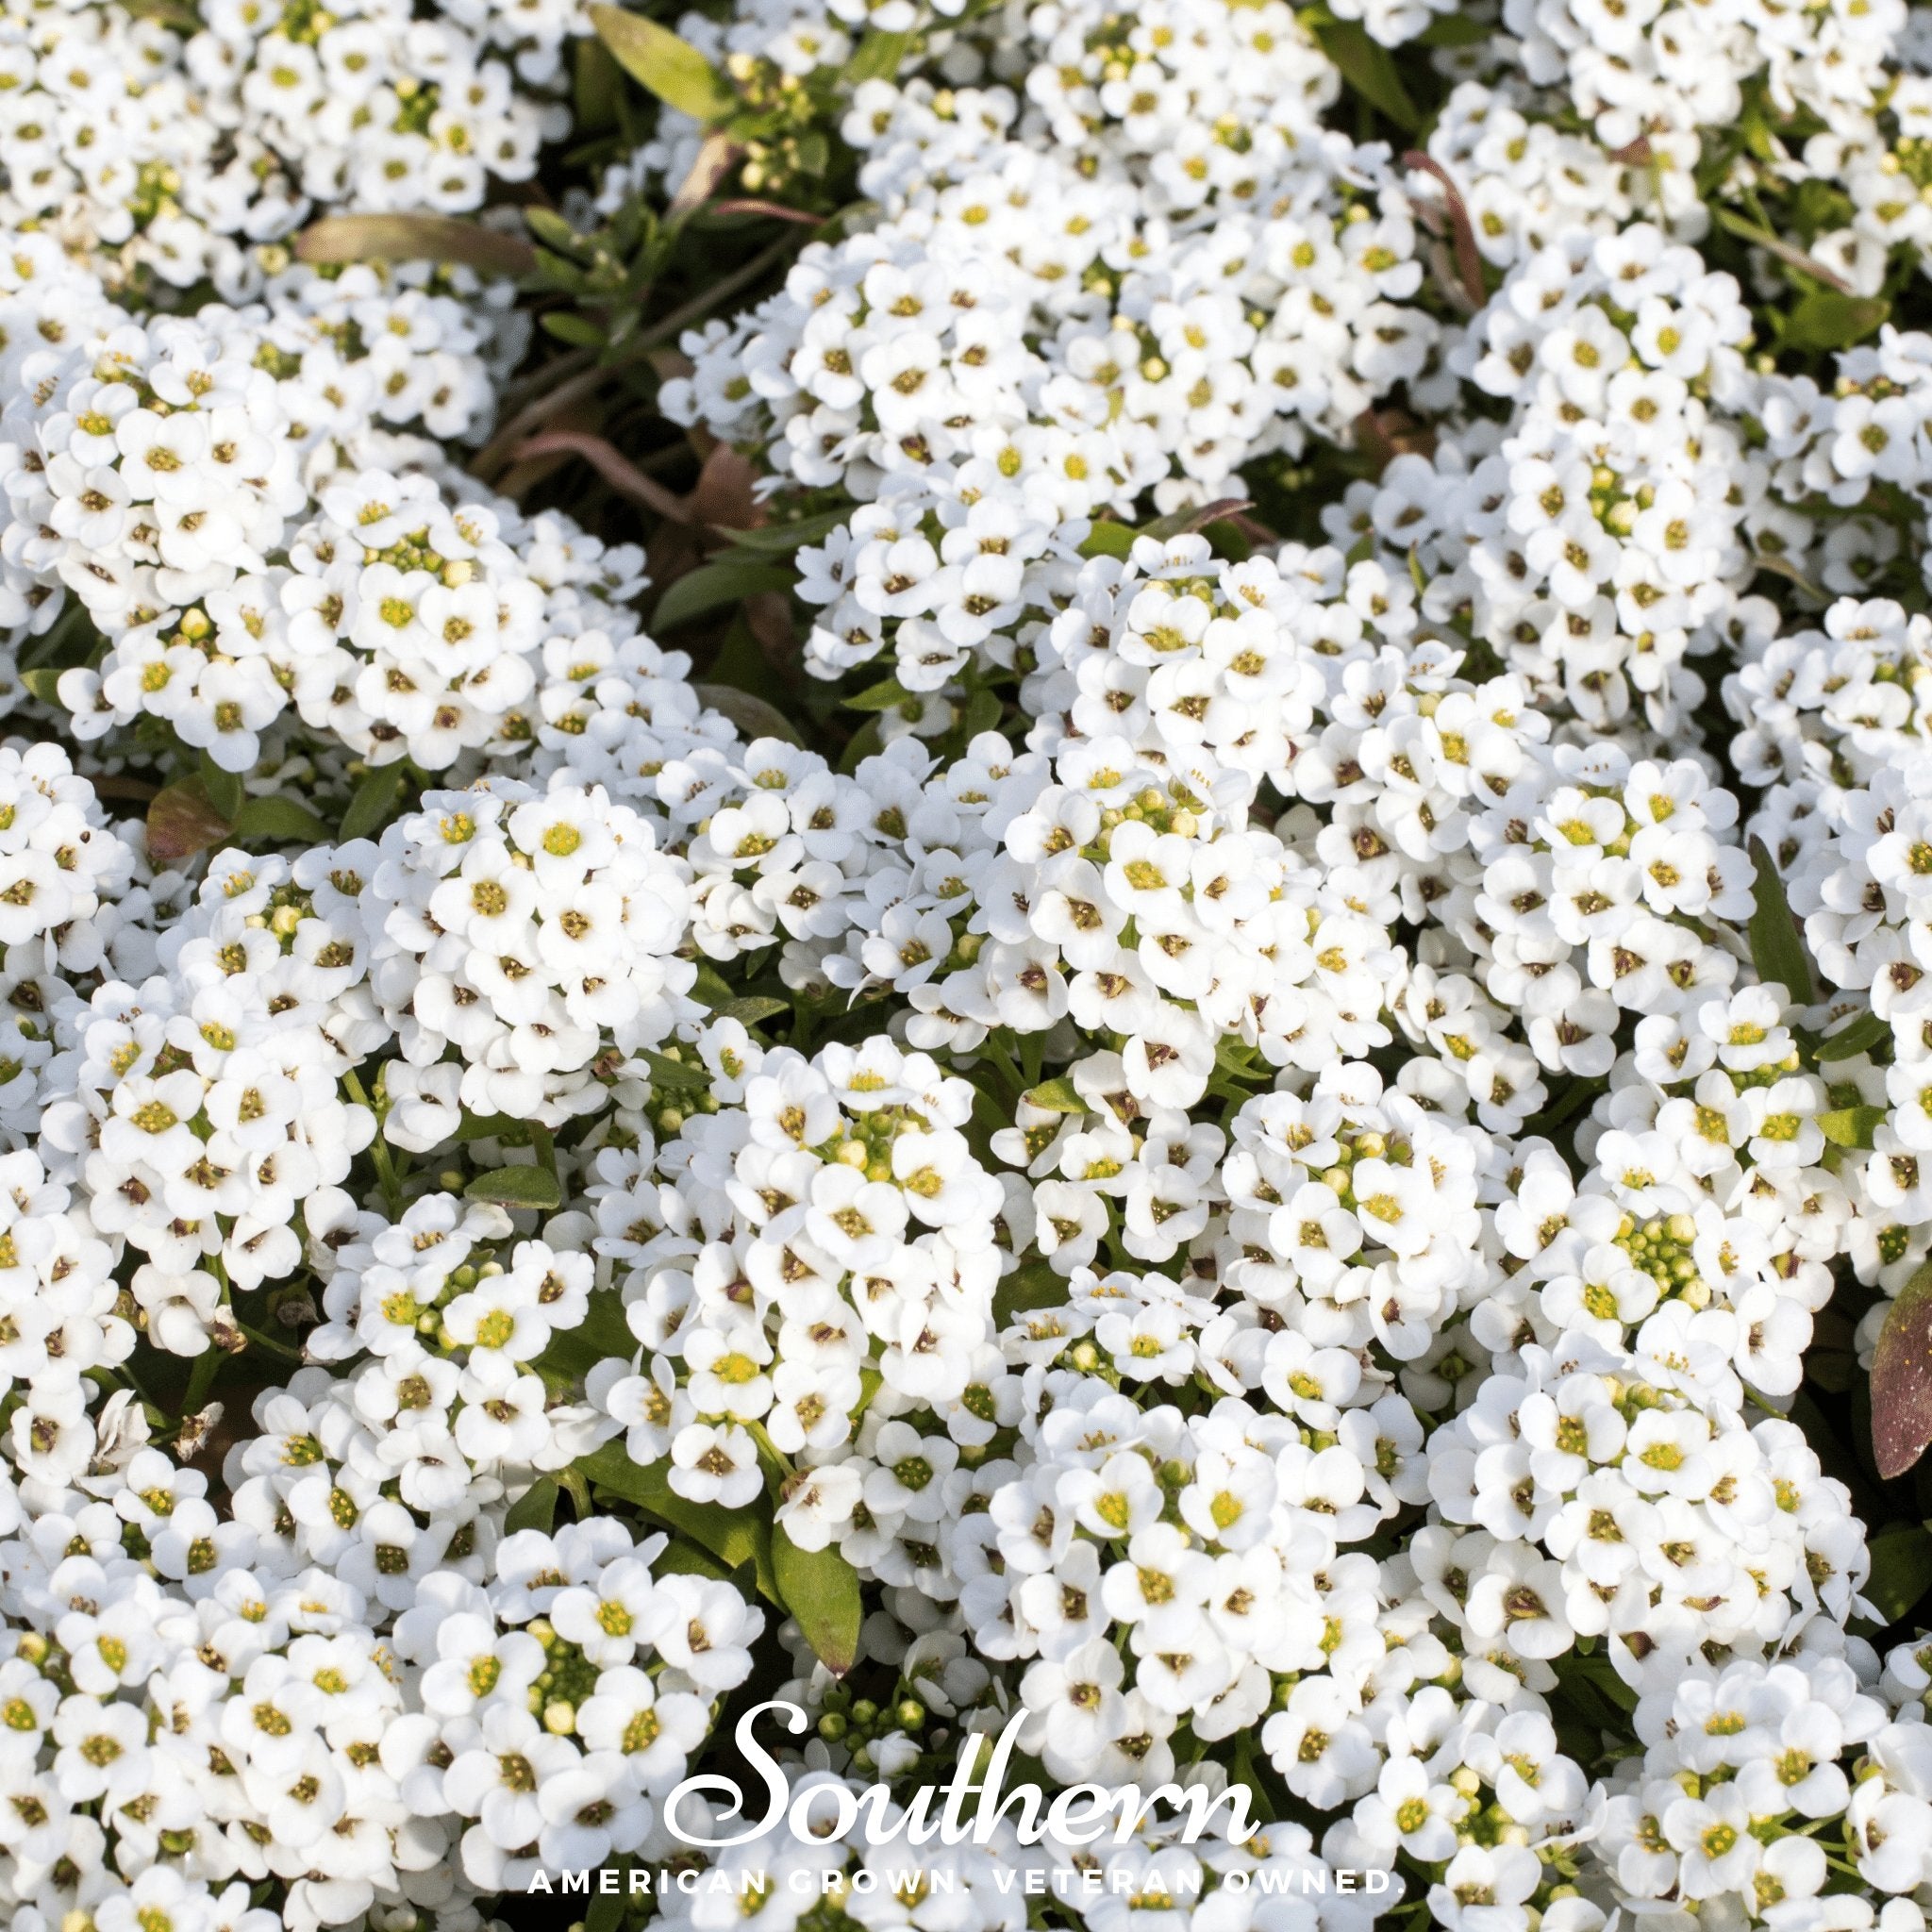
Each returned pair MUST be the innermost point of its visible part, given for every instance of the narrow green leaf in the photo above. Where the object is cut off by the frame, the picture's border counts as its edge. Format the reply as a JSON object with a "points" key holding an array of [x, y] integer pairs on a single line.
{"points": [[536, 1509], [598, 87], [754, 1009], [755, 716], [223, 789], [1777, 950], [1865, 1032], [603, 1333], [1370, 70], [888, 694], [672, 68], [821, 1589], [1851, 1126], [1827, 320], [277, 817], [167, 12], [778, 539], [337, 239], [1902, 1379], [713, 585], [1185, 523], [878, 57], [370, 808], [982, 713], [1109, 539], [517, 1187], [1455, 30], [1593, 1674], [1774, 245], [606, 1913], [677, 1077], [680, 1558], [712, 986], [1035, 1285], [732, 1536], [1900, 1571], [552, 229], [43, 682], [578, 330], [1057, 1096]]}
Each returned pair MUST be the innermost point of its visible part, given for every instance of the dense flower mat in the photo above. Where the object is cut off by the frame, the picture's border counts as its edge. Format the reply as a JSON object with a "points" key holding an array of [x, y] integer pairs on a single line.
{"points": [[944, 857]]}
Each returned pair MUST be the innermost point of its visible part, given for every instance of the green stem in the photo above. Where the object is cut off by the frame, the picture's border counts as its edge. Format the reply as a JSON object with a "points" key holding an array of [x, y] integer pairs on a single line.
{"points": [[268, 1345], [207, 1365], [770, 1451], [378, 1150]]}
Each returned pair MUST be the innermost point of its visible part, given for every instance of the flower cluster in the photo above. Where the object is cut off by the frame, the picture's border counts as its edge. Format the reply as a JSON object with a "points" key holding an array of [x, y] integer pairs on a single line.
{"points": [[534, 932], [1233, 1112], [811, 1273], [169, 159]]}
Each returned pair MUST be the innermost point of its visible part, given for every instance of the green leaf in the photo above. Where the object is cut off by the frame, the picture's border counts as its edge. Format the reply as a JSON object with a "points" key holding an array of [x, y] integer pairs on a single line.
{"points": [[779, 539], [1867, 1031], [552, 229], [1057, 1096], [888, 694], [578, 330], [602, 1335], [672, 69], [1185, 523], [1455, 30], [182, 821], [732, 1536], [43, 683], [1593, 1687], [279, 818], [821, 1589], [681, 1558], [1900, 1571], [339, 240], [168, 13], [982, 713], [756, 1007], [487, 1126], [1035, 1285], [517, 1187], [878, 57], [598, 87], [1902, 1379], [1775, 245], [711, 987], [370, 808], [1827, 320], [536, 1509], [606, 1913], [1777, 951], [1851, 1126], [677, 1077], [755, 716], [1226, 538], [224, 788], [1109, 539], [713, 585], [1370, 70]]}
